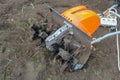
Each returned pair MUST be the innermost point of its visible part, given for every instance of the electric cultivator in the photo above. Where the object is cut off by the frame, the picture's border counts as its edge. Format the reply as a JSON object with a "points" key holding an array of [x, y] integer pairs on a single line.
{"points": [[73, 41]]}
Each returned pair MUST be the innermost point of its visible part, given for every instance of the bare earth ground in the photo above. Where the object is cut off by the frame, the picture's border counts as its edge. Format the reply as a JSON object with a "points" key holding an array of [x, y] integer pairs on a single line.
{"points": [[22, 59]]}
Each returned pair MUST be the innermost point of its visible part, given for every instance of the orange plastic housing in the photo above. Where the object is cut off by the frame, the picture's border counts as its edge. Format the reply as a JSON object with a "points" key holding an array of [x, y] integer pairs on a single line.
{"points": [[86, 20]]}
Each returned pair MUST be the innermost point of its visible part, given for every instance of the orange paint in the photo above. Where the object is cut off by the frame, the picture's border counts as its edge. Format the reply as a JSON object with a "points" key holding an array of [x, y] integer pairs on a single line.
{"points": [[93, 38], [86, 20]]}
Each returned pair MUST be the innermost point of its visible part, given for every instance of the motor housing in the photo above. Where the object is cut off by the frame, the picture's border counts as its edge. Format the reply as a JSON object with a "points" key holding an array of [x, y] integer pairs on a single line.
{"points": [[86, 20]]}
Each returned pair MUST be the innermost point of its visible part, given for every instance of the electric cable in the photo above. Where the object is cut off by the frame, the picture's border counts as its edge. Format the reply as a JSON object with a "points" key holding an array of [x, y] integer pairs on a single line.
{"points": [[118, 49]]}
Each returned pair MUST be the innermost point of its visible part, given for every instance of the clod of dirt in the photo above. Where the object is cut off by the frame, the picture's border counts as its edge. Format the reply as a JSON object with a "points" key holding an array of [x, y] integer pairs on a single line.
{"points": [[3, 1], [30, 72]]}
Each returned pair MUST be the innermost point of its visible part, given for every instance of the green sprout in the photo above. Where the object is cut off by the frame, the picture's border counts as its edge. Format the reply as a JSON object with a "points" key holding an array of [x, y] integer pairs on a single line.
{"points": [[96, 72]]}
